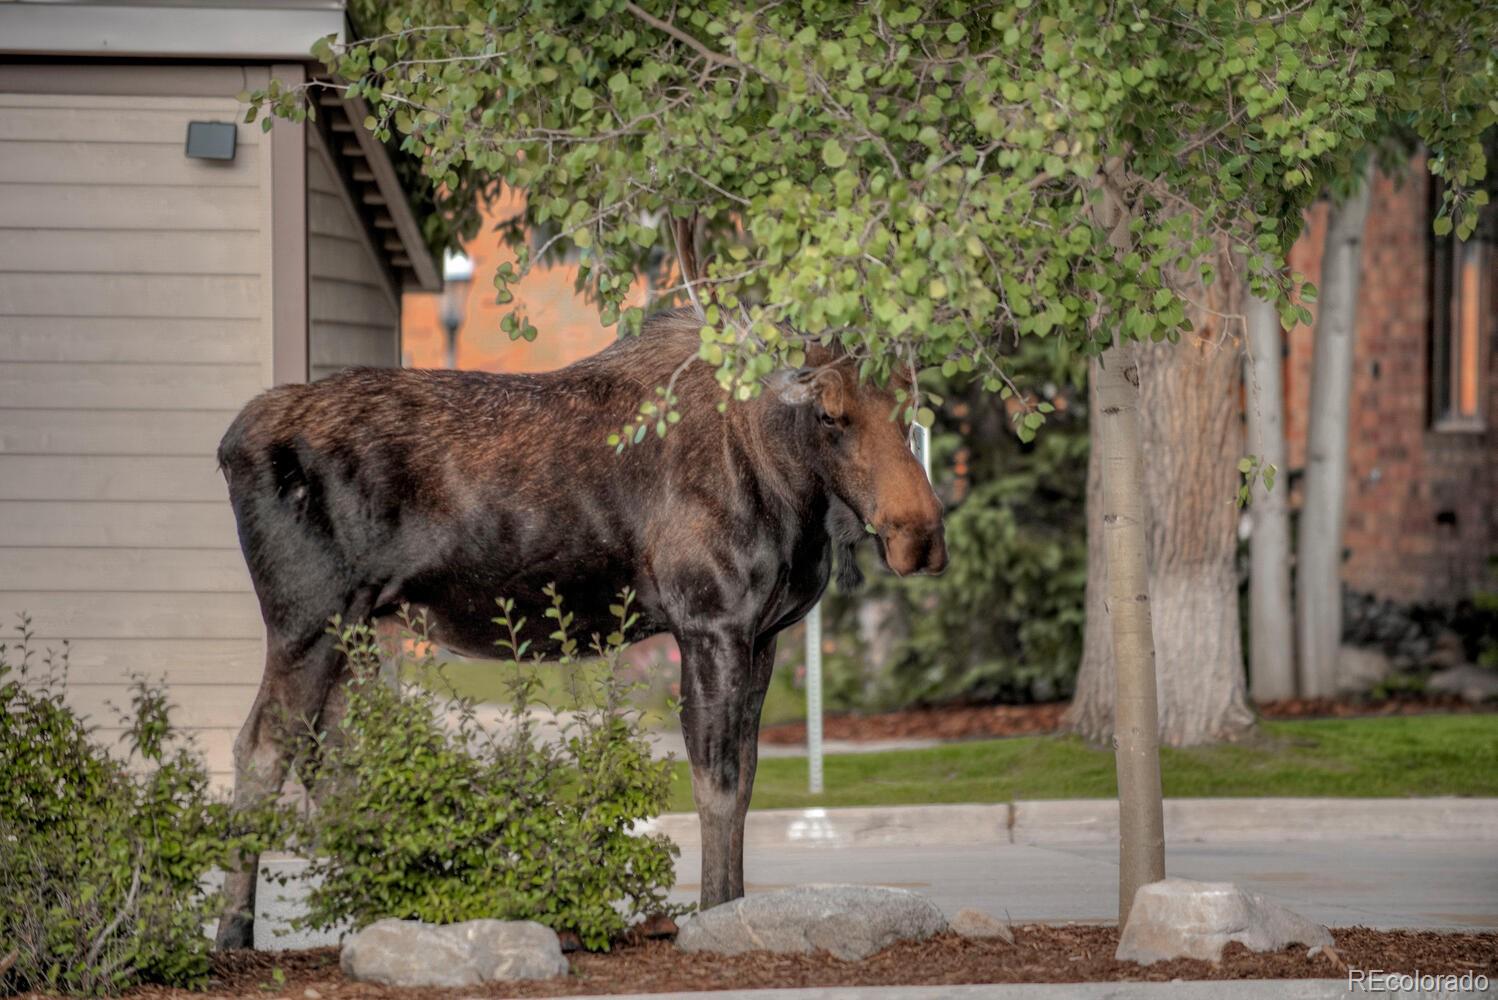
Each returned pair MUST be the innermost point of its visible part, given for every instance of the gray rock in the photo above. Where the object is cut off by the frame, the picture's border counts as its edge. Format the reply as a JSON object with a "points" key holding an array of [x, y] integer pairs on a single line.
{"points": [[850, 921], [1360, 669], [1447, 651], [1179, 918], [1471, 682], [977, 924], [412, 953]]}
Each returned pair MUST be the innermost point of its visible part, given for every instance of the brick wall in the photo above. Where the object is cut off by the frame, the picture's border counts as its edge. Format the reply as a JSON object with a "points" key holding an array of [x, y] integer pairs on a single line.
{"points": [[1422, 504], [569, 327]]}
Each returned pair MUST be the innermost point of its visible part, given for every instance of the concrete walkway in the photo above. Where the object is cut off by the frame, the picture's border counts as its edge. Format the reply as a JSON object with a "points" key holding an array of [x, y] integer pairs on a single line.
{"points": [[1057, 862], [668, 740]]}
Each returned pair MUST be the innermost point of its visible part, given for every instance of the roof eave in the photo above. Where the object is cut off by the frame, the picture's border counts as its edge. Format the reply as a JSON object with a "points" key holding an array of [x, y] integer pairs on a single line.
{"points": [[423, 266], [283, 33]]}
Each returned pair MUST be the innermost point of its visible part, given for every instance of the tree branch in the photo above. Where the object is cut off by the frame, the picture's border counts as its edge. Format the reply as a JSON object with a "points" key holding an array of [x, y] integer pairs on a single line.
{"points": [[666, 27]]}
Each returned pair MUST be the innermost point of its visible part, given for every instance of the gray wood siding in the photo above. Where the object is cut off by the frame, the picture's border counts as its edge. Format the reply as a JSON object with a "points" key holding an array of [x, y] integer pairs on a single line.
{"points": [[353, 310], [135, 299]]}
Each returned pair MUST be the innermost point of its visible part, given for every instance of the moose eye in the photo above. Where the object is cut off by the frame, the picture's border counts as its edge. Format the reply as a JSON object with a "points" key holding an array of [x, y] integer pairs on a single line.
{"points": [[828, 420]]}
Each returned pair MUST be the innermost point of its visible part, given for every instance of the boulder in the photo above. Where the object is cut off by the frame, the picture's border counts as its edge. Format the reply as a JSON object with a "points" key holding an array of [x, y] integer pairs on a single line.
{"points": [[1471, 682], [412, 953], [977, 924], [1447, 651], [1361, 668], [850, 921], [1179, 918]]}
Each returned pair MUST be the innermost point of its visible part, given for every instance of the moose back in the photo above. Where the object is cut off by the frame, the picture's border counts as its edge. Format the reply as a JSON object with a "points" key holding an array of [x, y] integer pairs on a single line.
{"points": [[445, 490]]}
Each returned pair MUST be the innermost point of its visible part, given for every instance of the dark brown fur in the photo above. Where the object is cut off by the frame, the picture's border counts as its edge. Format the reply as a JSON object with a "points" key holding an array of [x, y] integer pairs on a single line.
{"points": [[381, 487]]}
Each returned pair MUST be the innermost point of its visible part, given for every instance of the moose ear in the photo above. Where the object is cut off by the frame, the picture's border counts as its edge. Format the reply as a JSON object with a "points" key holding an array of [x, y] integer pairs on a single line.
{"points": [[793, 386], [823, 386], [829, 383]]}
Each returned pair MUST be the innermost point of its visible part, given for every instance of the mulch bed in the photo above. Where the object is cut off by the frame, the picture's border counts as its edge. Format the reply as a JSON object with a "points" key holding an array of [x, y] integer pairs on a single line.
{"points": [[1068, 953], [965, 722]]}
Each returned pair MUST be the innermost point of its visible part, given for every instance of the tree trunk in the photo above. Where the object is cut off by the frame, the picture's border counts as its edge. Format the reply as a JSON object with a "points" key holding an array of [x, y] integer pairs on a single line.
{"points": [[1141, 821], [1192, 442], [1271, 631], [1091, 709], [1318, 583]]}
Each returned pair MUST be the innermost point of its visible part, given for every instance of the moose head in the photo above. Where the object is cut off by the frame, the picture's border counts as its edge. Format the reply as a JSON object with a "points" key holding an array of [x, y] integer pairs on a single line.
{"points": [[854, 435]]}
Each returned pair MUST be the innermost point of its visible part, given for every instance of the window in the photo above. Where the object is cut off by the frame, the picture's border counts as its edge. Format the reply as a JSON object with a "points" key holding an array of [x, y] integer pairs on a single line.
{"points": [[1461, 309]]}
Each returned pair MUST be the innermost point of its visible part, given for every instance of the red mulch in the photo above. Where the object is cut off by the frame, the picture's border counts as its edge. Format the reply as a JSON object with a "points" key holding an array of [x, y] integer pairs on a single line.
{"points": [[964, 722], [1041, 954]]}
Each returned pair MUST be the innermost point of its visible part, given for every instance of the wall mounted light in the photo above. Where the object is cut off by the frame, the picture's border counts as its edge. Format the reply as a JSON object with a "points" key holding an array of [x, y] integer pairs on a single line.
{"points": [[211, 140]]}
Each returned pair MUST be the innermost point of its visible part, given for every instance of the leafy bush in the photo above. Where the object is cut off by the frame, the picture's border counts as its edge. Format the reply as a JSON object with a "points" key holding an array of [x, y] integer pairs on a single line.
{"points": [[1004, 623], [101, 859], [423, 814]]}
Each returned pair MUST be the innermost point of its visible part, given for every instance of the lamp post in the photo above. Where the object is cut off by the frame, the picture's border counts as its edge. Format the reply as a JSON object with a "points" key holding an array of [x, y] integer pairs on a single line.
{"points": [[457, 276]]}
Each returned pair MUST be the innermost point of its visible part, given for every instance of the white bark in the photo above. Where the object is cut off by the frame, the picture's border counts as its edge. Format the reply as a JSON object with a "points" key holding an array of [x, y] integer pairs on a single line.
{"points": [[1091, 711], [1319, 554], [1141, 825], [1192, 441], [1271, 634]]}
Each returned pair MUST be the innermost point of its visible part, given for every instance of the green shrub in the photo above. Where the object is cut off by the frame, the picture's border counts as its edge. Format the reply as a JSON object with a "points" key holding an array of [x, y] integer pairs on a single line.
{"points": [[1004, 623], [101, 859], [447, 822]]}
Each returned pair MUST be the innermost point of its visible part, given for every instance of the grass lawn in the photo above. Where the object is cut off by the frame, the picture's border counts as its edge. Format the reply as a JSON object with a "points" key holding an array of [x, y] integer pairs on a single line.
{"points": [[489, 681], [1397, 756]]}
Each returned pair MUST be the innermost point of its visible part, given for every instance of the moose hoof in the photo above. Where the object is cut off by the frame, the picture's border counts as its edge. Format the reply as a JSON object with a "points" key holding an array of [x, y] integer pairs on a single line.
{"points": [[235, 931]]}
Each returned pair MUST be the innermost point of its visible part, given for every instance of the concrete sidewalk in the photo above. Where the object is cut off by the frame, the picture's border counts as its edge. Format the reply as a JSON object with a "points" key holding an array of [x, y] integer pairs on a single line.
{"points": [[1095, 821], [1339, 862]]}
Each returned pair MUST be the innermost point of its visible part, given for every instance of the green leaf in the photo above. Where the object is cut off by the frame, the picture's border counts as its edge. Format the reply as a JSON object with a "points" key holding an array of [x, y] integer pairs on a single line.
{"points": [[833, 154]]}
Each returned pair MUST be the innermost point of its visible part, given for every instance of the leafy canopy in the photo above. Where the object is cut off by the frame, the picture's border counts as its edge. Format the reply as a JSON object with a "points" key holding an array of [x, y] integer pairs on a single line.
{"points": [[917, 180]]}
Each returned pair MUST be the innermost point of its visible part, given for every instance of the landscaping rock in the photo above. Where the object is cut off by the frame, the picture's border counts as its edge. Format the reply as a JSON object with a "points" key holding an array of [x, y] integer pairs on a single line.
{"points": [[850, 921], [977, 924], [1361, 669], [1468, 681], [1179, 918], [412, 953], [1447, 651]]}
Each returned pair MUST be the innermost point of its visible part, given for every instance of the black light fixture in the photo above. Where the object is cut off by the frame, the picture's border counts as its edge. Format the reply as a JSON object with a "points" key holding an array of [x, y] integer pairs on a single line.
{"points": [[211, 140]]}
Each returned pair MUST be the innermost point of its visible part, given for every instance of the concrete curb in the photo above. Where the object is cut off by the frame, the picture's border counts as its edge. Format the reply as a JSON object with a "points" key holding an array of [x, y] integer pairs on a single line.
{"points": [[1095, 821]]}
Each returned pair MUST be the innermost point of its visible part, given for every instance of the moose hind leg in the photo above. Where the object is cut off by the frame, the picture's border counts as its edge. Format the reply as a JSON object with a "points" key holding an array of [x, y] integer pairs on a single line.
{"points": [[293, 691], [715, 697]]}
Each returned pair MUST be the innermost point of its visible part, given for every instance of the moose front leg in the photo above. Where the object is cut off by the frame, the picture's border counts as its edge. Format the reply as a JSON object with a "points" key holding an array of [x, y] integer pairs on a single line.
{"points": [[717, 684]]}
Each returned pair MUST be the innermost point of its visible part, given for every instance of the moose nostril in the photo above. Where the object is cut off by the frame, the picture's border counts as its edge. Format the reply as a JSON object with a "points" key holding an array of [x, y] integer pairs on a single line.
{"points": [[936, 555]]}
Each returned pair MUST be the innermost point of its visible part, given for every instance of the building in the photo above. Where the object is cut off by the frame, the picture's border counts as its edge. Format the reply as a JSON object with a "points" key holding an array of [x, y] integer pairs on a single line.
{"points": [[1422, 496], [152, 280]]}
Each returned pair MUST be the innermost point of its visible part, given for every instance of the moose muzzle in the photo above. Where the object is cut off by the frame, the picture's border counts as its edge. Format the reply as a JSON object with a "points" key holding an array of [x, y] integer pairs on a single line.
{"points": [[915, 549]]}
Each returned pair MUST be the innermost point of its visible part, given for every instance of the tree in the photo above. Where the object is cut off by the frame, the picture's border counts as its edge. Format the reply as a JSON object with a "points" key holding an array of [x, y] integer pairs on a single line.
{"points": [[919, 183], [1271, 627], [1319, 553], [1191, 443]]}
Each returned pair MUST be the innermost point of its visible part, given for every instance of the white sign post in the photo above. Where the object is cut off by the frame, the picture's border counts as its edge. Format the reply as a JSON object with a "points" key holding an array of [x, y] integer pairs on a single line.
{"points": [[920, 445], [814, 699]]}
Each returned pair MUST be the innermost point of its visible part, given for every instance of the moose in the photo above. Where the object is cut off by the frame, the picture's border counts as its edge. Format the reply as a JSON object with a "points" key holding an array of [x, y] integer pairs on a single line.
{"points": [[375, 489]]}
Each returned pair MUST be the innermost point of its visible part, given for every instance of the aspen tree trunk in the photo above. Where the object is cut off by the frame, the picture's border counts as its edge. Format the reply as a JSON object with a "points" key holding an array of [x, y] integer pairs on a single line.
{"points": [[1318, 565], [1192, 441], [1091, 709], [1271, 631], [1141, 820], [1123, 531]]}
